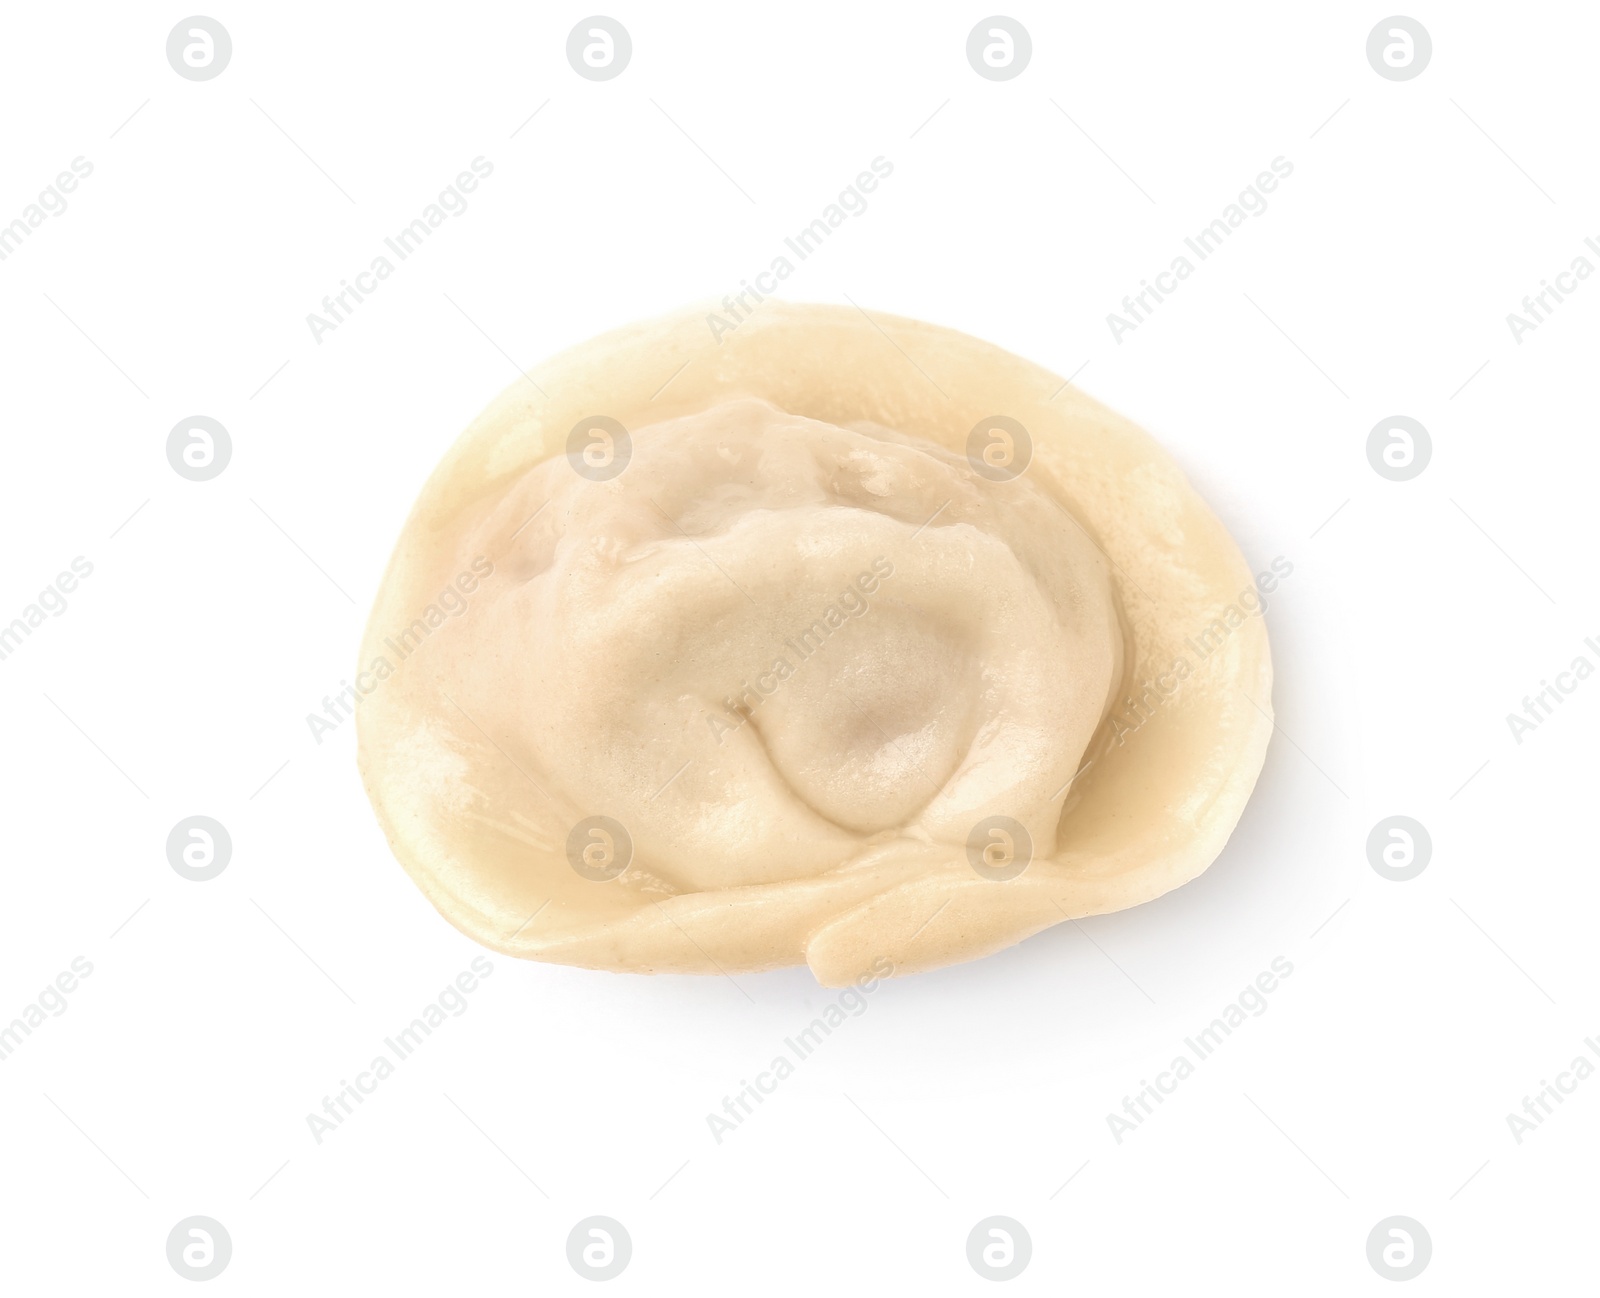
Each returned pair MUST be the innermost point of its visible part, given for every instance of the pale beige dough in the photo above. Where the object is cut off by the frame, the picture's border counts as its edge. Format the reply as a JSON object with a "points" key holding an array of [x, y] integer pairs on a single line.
{"points": [[802, 653]]}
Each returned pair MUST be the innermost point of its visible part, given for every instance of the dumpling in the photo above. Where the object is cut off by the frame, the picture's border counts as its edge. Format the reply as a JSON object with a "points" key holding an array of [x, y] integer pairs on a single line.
{"points": [[861, 643]]}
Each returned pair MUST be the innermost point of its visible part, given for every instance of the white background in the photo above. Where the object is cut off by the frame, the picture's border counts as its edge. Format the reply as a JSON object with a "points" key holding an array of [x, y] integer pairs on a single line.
{"points": [[177, 682]]}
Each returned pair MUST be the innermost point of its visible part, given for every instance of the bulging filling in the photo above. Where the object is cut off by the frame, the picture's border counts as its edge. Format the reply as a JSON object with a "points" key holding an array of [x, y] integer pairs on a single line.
{"points": [[768, 645]]}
